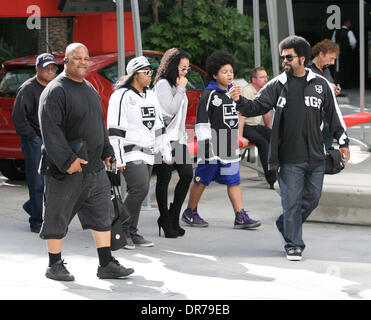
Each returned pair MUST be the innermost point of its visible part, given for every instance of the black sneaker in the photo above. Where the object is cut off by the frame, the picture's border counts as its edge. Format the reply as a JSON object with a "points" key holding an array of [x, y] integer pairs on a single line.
{"points": [[59, 272], [293, 253], [113, 270]]}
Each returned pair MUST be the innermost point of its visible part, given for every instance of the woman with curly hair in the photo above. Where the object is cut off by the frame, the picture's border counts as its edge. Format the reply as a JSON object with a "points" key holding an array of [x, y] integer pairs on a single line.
{"points": [[170, 87]]}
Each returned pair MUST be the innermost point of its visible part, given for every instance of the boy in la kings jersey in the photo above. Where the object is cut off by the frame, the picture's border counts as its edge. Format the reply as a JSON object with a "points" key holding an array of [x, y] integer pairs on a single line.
{"points": [[217, 141]]}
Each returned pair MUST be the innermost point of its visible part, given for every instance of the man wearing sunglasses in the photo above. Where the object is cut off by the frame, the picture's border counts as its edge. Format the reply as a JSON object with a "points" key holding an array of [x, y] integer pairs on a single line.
{"points": [[301, 99]]}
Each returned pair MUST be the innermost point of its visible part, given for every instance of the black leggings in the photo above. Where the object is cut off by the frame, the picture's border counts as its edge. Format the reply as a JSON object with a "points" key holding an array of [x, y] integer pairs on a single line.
{"points": [[185, 171]]}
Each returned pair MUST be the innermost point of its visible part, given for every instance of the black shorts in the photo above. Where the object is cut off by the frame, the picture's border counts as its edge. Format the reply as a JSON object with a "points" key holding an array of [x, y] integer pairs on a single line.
{"points": [[87, 195]]}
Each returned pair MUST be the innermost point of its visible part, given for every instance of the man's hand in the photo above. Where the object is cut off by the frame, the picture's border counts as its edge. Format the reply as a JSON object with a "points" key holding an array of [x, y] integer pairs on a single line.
{"points": [[235, 91], [345, 154], [76, 166]]}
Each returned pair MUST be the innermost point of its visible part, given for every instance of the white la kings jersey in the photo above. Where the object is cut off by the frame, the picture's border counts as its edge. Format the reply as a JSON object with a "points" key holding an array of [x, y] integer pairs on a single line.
{"points": [[135, 126]]}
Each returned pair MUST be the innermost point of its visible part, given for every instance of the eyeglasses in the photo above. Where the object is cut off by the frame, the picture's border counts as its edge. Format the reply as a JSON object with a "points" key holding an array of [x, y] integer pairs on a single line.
{"points": [[288, 57], [185, 69], [49, 68], [146, 72]]}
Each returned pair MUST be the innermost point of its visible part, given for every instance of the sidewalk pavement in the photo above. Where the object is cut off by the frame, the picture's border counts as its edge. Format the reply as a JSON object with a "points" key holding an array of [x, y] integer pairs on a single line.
{"points": [[346, 196], [352, 97], [213, 263], [217, 262]]}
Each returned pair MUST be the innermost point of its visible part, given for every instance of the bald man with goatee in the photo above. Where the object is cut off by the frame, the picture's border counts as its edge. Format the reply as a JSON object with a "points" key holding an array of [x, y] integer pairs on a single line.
{"points": [[75, 148]]}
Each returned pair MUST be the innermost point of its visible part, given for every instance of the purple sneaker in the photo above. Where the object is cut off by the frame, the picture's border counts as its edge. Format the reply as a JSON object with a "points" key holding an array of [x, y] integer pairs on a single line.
{"points": [[193, 218], [243, 221]]}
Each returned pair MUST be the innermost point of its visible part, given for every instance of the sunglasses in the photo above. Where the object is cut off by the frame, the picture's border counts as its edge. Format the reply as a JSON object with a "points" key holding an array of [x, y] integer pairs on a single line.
{"points": [[146, 72], [185, 69], [49, 68], [288, 57]]}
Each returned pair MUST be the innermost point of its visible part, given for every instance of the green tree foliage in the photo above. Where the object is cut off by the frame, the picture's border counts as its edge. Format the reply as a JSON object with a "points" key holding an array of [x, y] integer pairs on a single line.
{"points": [[203, 26]]}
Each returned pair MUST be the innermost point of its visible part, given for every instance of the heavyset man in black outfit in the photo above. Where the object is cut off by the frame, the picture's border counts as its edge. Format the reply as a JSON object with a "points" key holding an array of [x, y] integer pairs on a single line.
{"points": [[75, 146]]}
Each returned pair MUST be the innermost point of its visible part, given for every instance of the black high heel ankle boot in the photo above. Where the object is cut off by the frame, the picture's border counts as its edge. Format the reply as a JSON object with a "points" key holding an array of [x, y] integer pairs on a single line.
{"points": [[174, 218], [167, 228]]}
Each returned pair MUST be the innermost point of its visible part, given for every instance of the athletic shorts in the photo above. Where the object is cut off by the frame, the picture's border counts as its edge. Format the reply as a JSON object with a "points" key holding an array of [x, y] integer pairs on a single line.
{"points": [[228, 174], [87, 195]]}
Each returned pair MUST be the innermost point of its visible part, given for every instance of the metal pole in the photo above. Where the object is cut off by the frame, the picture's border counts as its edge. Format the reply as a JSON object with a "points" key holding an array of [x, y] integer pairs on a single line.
{"points": [[362, 62], [120, 37], [272, 22], [257, 55], [290, 17], [136, 25], [240, 6], [47, 34]]}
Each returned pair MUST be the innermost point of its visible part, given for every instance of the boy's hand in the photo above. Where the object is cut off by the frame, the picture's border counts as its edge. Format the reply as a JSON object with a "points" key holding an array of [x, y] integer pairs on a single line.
{"points": [[235, 92], [244, 141]]}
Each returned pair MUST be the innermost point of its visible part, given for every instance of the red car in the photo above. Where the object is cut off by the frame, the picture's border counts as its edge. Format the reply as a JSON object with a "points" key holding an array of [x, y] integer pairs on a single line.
{"points": [[102, 74]]}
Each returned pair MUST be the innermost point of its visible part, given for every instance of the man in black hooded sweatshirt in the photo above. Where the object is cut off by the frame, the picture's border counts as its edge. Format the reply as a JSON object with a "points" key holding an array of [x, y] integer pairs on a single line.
{"points": [[301, 99]]}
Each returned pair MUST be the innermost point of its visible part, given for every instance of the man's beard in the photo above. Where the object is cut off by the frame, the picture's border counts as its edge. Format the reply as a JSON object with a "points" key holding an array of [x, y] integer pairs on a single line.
{"points": [[289, 72]]}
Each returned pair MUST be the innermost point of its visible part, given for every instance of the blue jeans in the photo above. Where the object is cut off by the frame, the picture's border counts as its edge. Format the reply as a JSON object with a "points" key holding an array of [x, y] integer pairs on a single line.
{"points": [[301, 188], [35, 182]]}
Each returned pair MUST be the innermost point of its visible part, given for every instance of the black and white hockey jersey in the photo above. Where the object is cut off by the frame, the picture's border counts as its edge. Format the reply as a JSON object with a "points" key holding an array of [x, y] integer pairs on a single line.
{"points": [[135, 126], [217, 126]]}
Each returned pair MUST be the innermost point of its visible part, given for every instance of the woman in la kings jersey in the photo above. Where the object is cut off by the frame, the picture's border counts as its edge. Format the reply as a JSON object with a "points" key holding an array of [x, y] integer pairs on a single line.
{"points": [[136, 132]]}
